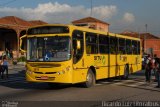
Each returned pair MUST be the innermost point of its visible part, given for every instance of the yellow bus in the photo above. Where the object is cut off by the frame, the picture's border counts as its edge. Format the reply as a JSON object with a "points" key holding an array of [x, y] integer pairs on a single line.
{"points": [[70, 54]]}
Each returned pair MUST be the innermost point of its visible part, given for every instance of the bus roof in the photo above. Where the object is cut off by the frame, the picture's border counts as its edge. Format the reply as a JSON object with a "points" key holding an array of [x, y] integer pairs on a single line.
{"points": [[103, 33], [88, 30]]}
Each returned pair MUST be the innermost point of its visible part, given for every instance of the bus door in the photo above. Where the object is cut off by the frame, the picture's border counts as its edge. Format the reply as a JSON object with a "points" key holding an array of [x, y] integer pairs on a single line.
{"points": [[113, 62], [121, 56], [78, 59], [102, 60]]}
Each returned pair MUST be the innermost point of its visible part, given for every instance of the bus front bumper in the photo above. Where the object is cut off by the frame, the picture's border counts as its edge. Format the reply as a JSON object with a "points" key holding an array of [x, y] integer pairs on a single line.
{"points": [[59, 78]]}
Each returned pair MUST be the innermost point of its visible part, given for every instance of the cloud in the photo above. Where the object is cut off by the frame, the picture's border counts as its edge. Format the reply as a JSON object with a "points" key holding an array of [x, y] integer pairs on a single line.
{"points": [[129, 17], [58, 13], [105, 11]]}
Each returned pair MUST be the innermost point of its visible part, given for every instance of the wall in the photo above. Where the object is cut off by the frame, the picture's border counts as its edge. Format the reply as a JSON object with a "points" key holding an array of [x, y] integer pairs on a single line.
{"points": [[154, 44], [95, 25], [102, 27]]}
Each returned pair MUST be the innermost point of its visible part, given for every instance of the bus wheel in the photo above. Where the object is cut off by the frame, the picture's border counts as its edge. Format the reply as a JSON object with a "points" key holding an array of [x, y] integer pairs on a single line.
{"points": [[90, 79], [126, 72]]}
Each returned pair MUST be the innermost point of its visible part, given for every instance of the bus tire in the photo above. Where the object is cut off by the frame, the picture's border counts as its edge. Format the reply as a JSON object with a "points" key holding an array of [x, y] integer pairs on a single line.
{"points": [[90, 79], [126, 72]]}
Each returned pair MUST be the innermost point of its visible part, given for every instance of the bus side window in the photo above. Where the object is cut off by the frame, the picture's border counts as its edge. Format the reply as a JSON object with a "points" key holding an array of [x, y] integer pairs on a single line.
{"points": [[91, 43], [138, 49], [88, 49], [113, 45], [121, 46], [128, 47], [134, 47], [103, 44]]}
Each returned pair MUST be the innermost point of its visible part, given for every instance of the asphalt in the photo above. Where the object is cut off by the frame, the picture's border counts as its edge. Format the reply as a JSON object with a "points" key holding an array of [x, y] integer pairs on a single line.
{"points": [[136, 80]]}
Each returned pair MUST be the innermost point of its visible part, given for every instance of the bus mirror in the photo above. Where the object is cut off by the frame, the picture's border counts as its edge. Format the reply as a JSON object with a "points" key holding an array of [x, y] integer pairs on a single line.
{"points": [[21, 42], [78, 44]]}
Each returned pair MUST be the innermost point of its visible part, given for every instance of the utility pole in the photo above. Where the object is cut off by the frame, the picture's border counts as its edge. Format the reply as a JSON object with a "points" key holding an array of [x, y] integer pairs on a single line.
{"points": [[146, 27], [91, 8], [145, 37], [138, 32]]}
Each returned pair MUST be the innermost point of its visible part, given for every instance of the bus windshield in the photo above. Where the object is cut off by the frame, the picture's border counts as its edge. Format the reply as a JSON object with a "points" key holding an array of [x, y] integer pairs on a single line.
{"points": [[55, 48]]}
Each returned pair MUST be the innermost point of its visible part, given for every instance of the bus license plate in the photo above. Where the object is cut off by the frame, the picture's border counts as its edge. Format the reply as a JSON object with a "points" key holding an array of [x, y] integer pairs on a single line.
{"points": [[44, 77]]}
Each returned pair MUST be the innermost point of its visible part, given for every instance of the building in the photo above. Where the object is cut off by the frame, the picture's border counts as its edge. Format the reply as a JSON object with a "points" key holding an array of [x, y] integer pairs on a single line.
{"points": [[11, 29], [152, 46], [92, 23]]}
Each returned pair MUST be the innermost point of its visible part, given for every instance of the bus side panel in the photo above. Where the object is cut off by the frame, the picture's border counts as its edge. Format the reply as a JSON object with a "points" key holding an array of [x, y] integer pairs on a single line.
{"points": [[117, 65], [133, 66], [79, 75], [80, 70], [139, 62], [101, 64], [113, 72], [136, 63], [121, 61], [130, 62]]}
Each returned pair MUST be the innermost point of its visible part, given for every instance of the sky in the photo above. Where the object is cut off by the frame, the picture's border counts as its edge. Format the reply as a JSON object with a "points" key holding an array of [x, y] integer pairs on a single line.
{"points": [[122, 15]]}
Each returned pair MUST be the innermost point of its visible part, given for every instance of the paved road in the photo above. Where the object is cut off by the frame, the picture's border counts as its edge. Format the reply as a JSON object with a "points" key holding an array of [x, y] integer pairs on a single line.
{"points": [[135, 89]]}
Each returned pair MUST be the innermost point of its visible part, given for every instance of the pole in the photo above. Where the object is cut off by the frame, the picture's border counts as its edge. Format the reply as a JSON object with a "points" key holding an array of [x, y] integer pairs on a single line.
{"points": [[145, 37], [91, 8], [18, 46], [138, 31]]}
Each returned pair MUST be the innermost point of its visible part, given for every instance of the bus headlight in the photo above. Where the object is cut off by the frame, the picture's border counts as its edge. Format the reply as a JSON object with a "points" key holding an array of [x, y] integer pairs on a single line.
{"points": [[61, 72], [29, 72], [64, 70]]}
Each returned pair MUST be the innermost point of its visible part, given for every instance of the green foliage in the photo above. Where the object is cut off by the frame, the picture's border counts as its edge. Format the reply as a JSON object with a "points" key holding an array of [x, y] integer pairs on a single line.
{"points": [[21, 59]]}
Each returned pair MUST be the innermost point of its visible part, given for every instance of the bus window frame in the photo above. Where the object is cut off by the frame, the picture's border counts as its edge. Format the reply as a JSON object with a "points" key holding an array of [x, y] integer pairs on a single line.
{"points": [[129, 48], [134, 47], [103, 44], [95, 43], [122, 45], [75, 52], [139, 47], [114, 44]]}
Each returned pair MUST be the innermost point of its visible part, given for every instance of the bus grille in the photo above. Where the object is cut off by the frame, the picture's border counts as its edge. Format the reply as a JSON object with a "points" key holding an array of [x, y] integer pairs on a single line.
{"points": [[45, 72], [50, 72], [49, 78], [38, 72]]}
